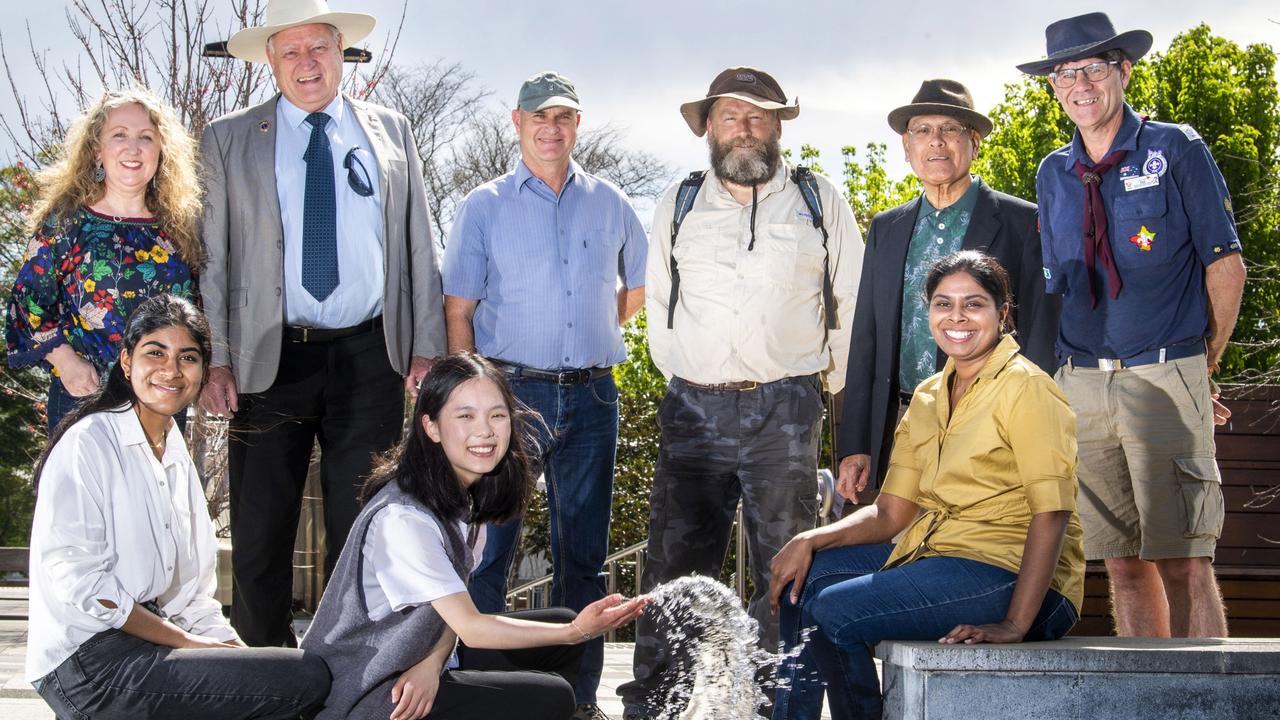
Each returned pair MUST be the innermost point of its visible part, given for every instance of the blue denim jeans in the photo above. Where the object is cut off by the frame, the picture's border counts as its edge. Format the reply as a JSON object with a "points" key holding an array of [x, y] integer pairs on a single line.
{"points": [[576, 450], [117, 675], [853, 605]]}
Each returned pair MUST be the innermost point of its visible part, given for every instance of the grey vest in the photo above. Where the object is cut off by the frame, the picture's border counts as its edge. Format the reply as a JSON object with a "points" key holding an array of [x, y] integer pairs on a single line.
{"points": [[362, 655]]}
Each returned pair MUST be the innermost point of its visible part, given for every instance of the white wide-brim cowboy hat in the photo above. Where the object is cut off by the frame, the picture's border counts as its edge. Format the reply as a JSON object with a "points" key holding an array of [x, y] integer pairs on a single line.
{"points": [[251, 43]]}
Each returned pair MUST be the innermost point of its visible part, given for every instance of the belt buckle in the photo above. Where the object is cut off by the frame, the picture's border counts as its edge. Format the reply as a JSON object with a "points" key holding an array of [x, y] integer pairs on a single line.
{"points": [[568, 377], [1110, 364], [306, 332], [750, 385]]}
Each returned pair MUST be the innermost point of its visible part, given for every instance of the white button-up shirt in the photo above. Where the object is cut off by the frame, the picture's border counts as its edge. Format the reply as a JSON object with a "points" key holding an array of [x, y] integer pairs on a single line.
{"points": [[114, 524], [753, 313]]}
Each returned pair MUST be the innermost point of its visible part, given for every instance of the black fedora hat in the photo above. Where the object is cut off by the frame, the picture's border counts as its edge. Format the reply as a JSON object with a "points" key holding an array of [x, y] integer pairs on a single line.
{"points": [[1086, 36], [941, 97]]}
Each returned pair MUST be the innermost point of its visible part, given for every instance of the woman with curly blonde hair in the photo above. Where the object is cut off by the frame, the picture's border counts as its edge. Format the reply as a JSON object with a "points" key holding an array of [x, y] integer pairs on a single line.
{"points": [[115, 223]]}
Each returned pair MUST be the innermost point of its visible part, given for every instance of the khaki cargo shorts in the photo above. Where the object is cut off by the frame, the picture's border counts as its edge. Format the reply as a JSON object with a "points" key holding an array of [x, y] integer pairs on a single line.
{"points": [[1149, 483]]}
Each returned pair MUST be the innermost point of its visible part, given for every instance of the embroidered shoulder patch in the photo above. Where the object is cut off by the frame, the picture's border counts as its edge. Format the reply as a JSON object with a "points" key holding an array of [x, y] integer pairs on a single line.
{"points": [[1190, 132]]}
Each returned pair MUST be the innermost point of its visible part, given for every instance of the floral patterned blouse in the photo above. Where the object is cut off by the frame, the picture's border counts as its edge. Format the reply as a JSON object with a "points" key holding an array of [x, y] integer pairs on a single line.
{"points": [[81, 278]]}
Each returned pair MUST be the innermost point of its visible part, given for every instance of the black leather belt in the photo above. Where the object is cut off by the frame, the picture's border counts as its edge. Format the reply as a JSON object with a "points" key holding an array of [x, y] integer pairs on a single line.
{"points": [[572, 376], [295, 333], [1161, 355]]}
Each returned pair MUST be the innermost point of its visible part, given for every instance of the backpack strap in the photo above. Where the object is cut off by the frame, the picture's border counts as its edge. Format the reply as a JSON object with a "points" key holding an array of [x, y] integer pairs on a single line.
{"points": [[685, 196], [808, 184]]}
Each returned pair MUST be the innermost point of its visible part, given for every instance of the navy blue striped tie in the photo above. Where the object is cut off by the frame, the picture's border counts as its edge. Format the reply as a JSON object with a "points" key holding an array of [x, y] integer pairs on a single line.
{"points": [[319, 214]]}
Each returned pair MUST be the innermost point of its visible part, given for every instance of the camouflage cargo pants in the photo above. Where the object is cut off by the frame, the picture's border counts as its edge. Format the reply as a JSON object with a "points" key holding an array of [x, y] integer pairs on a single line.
{"points": [[760, 445]]}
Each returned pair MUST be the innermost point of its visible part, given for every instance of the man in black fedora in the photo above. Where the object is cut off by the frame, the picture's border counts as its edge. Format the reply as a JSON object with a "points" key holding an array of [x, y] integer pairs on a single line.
{"points": [[1140, 241], [892, 350]]}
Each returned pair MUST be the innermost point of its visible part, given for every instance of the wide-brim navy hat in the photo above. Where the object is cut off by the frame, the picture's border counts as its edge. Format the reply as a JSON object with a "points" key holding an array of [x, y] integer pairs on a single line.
{"points": [[1086, 36]]}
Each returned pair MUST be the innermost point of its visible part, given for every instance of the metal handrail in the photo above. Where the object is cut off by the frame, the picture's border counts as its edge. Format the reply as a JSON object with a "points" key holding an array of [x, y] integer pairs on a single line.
{"points": [[535, 591]]}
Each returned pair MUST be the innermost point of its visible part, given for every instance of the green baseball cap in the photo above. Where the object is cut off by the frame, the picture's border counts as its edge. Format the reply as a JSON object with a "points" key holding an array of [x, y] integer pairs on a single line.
{"points": [[547, 89]]}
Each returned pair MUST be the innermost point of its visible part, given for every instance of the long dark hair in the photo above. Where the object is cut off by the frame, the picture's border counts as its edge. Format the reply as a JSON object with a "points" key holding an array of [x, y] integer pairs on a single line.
{"points": [[155, 313], [420, 468], [985, 270]]}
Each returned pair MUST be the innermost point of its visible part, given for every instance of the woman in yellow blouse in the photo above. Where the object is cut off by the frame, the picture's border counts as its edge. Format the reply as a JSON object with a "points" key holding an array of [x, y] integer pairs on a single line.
{"points": [[981, 478]]}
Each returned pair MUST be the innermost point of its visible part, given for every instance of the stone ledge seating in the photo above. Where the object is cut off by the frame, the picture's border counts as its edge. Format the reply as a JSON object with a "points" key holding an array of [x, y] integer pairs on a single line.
{"points": [[1090, 678]]}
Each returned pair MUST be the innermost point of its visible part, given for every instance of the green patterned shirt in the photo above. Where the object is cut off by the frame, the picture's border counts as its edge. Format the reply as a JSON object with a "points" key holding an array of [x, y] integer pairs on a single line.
{"points": [[937, 233]]}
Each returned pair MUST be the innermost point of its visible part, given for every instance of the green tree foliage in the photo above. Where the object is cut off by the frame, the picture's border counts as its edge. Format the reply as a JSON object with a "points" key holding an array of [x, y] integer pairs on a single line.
{"points": [[868, 186], [21, 391]]}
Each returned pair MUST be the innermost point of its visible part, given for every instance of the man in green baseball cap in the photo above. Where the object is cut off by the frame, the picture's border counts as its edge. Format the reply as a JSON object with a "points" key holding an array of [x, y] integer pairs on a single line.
{"points": [[542, 267]]}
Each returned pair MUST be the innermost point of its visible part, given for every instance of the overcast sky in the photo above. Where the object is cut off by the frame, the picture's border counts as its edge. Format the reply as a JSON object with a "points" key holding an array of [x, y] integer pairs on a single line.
{"points": [[634, 63]]}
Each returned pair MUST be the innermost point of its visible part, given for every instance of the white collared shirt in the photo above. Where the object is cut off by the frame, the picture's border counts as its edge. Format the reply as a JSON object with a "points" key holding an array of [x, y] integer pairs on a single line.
{"points": [[112, 523], [361, 261]]}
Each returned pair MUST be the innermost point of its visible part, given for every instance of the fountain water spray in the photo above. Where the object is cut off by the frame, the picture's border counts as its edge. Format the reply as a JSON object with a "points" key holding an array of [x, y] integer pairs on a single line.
{"points": [[717, 668]]}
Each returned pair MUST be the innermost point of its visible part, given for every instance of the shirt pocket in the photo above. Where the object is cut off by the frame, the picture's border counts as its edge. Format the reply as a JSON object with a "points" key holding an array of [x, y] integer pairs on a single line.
{"points": [[789, 255], [1138, 228], [699, 254], [601, 254]]}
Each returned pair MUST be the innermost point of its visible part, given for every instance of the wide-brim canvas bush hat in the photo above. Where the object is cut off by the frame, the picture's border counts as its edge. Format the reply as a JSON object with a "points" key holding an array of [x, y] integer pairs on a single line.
{"points": [[251, 43], [941, 97], [741, 83], [1086, 36]]}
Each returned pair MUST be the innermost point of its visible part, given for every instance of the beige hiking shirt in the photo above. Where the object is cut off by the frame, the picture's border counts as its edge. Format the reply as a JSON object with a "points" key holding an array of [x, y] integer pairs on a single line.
{"points": [[752, 314]]}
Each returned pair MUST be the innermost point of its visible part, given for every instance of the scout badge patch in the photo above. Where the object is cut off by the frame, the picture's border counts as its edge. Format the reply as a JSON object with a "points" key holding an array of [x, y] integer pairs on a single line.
{"points": [[1155, 164], [1143, 239]]}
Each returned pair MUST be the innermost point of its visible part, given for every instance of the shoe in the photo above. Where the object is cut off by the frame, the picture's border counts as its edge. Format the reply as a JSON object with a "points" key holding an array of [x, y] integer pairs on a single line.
{"points": [[634, 714], [589, 711]]}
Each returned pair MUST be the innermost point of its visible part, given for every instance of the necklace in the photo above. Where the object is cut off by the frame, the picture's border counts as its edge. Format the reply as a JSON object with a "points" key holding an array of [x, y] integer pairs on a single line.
{"points": [[156, 445]]}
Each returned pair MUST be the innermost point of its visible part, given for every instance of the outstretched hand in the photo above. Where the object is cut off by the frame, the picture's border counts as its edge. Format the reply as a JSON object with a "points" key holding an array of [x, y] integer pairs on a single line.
{"points": [[1001, 632], [610, 613]]}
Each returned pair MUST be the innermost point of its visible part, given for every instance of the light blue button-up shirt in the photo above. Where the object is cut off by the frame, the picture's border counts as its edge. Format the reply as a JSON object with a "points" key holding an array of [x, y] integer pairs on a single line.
{"points": [[545, 269], [361, 272]]}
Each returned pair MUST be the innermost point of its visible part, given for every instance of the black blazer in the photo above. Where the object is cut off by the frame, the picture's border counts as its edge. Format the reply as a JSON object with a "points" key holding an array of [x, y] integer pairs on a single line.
{"points": [[1003, 226]]}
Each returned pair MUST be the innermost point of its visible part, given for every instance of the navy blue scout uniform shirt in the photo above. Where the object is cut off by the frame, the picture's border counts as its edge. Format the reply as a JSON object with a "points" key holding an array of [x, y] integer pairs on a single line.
{"points": [[1168, 217]]}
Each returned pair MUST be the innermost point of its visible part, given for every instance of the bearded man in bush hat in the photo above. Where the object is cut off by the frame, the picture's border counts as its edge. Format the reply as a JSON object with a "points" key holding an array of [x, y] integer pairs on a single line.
{"points": [[322, 294], [892, 350], [1140, 240], [748, 307]]}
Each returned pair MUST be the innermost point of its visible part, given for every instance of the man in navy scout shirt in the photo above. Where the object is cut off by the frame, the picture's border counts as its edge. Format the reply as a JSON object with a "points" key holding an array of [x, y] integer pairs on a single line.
{"points": [[1139, 238], [531, 280]]}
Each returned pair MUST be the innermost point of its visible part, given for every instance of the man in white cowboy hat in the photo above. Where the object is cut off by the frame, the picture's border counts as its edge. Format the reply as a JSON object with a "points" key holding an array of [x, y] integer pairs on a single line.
{"points": [[322, 292], [1139, 238], [892, 350], [543, 266], [749, 303]]}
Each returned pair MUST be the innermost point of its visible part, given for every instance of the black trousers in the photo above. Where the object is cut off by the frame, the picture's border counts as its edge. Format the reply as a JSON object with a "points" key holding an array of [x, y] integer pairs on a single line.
{"points": [[343, 393], [530, 684]]}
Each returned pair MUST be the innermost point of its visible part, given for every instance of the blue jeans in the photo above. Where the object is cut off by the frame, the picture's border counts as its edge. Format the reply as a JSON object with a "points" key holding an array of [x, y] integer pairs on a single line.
{"points": [[117, 675], [853, 605], [575, 452]]}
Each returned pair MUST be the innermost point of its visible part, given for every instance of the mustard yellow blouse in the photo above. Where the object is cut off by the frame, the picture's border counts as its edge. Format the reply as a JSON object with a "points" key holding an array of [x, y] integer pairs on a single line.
{"points": [[1007, 452]]}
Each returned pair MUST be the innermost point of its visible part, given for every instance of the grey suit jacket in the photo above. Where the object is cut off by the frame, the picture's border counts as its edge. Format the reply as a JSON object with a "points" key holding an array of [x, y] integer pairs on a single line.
{"points": [[242, 286]]}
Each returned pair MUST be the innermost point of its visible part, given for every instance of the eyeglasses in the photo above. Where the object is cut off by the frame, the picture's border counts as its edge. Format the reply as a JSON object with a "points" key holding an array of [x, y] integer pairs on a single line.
{"points": [[950, 131], [357, 174], [1096, 72]]}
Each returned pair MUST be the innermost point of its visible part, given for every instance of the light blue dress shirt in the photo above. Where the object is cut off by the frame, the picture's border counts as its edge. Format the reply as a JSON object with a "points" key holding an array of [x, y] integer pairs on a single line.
{"points": [[545, 269], [361, 271]]}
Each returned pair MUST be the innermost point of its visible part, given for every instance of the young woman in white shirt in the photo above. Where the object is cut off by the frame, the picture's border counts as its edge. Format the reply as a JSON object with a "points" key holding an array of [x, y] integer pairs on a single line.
{"points": [[393, 614], [123, 623]]}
